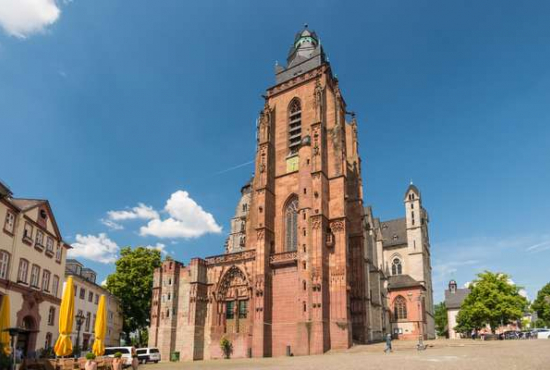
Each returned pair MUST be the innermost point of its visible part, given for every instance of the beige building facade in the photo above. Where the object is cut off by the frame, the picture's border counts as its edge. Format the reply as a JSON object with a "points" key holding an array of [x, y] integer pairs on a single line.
{"points": [[32, 268], [87, 294]]}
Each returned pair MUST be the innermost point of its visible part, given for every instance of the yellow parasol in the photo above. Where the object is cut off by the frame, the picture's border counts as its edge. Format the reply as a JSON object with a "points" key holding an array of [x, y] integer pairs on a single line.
{"points": [[64, 345], [4, 324], [100, 328]]}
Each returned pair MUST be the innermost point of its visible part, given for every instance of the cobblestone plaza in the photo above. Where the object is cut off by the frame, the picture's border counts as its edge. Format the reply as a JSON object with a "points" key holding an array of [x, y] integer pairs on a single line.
{"points": [[441, 354]]}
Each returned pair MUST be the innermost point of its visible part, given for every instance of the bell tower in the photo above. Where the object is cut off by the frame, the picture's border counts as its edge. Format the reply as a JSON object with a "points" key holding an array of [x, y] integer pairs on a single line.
{"points": [[306, 212]]}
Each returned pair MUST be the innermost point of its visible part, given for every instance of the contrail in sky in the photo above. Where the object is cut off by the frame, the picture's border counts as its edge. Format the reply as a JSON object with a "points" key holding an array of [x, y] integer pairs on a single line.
{"points": [[233, 168]]}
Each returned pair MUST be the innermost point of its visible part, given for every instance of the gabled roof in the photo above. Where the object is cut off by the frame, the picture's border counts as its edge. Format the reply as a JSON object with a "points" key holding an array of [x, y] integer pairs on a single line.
{"points": [[454, 300], [402, 281], [25, 205], [394, 232]]}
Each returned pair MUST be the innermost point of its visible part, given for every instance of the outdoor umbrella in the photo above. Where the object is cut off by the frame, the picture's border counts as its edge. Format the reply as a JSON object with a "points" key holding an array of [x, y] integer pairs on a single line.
{"points": [[64, 345], [100, 328], [5, 324]]}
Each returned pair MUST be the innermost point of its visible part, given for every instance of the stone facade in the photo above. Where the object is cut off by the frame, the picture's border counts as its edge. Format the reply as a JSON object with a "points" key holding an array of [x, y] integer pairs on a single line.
{"points": [[305, 266]]}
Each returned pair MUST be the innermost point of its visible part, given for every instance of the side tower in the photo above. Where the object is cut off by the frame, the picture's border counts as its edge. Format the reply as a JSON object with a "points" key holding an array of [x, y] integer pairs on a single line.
{"points": [[419, 255], [164, 307], [236, 241], [306, 212]]}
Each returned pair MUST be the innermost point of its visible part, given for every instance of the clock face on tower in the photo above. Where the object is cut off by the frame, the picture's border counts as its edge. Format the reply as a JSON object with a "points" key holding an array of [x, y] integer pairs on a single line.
{"points": [[292, 164]]}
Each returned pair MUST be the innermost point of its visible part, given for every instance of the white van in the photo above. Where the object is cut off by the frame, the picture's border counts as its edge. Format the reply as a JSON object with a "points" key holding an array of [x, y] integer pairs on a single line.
{"points": [[127, 354], [148, 355]]}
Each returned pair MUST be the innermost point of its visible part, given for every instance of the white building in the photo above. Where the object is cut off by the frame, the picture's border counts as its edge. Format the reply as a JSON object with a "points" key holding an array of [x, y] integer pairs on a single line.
{"points": [[87, 293]]}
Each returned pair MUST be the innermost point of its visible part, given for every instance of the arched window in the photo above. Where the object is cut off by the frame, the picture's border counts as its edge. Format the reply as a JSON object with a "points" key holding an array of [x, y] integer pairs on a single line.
{"points": [[400, 308], [396, 267], [291, 225], [295, 125]]}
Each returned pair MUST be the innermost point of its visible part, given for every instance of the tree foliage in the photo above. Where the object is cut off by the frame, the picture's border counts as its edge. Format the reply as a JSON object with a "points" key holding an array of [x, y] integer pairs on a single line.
{"points": [[440, 317], [493, 300], [132, 283], [541, 306]]}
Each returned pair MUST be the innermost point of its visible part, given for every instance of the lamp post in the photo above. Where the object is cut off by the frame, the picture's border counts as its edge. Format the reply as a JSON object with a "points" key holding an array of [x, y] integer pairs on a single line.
{"points": [[79, 321]]}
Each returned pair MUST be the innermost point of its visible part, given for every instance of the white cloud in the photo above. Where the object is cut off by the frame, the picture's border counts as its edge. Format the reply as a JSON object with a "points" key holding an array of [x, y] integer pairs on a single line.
{"points": [[159, 247], [141, 212], [22, 18], [111, 224], [96, 248], [187, 219]]}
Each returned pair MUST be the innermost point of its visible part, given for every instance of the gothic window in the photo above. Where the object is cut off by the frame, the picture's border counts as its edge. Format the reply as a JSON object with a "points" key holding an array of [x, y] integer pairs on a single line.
{"points": [[396, 267], [291, 225], [295, 126], [230, 310], [400, 308], [243, 309]]}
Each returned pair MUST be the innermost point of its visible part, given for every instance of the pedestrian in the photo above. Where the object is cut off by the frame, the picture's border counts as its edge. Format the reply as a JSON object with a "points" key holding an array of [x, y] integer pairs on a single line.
{"points": [[473, 334], [91, 364], [135, 362], [117, 361], [18, 354], [388, 344]]}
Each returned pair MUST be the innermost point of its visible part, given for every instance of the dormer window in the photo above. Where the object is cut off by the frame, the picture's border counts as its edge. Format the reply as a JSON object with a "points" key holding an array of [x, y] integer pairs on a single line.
{"points": [[295, 126]]}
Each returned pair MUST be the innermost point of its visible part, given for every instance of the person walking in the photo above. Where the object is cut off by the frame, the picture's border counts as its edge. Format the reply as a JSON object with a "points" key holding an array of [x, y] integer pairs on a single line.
{"points": [[388, 344], [135, 362]]}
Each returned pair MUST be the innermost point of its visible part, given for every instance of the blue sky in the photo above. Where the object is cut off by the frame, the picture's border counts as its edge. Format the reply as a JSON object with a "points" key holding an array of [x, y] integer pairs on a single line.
{"points": [[105, 105]]}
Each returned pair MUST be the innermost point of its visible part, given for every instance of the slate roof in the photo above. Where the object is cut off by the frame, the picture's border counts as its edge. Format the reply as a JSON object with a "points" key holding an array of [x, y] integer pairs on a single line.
{"points": [[302, 57], [394, 232], [5, 189], [26, 204], [454, 300], [401, 281]]}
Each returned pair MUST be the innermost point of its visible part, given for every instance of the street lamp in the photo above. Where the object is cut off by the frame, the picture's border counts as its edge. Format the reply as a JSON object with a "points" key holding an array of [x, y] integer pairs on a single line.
{"points": [[79, 321]]}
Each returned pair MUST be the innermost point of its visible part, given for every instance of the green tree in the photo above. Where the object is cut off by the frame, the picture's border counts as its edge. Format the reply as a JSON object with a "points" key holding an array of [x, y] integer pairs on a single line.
{"points": [[541, 306], [493, 300], [440, 317], [132, 283]]}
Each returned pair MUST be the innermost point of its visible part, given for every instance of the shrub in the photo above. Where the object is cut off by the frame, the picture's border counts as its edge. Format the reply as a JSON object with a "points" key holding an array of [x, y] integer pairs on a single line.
{"points": [[227, 347]]}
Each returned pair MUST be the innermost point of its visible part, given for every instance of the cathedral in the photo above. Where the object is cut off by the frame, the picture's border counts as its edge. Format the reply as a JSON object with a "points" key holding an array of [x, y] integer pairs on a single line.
{"points": [[307, 266]]}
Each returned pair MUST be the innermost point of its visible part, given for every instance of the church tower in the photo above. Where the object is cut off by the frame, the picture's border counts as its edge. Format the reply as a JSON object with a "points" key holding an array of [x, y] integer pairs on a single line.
{"points": [[306, 212], [419, 252]]}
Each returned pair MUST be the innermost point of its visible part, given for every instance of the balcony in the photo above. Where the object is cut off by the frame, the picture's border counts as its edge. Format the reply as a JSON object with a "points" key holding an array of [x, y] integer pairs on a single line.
{"points": [[285, 258]]}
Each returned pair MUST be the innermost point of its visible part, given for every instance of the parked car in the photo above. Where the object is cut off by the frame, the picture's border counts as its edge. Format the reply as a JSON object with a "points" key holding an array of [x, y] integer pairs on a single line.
{"points": [[148, 355], [127, 354], [543, 333]]}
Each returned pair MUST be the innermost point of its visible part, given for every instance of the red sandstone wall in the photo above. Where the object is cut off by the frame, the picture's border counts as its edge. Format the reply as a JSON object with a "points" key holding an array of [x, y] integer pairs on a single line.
{"points": [[285, 310]]}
